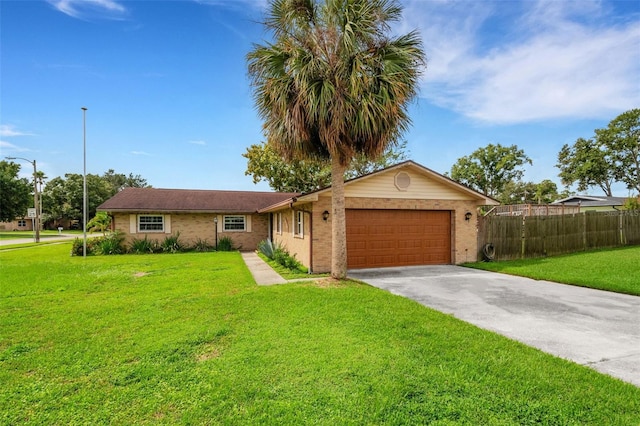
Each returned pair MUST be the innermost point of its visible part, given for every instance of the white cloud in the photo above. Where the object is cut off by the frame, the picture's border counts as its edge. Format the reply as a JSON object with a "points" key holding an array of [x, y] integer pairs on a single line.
{"points": [[236, 4], [83, 9], [198, 142], [141, 153], [514, 62], [7, 130], [6, 146]]}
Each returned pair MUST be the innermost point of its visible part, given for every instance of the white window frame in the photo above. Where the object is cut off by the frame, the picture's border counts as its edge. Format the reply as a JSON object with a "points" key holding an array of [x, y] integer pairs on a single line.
{"points": [[278, 223], [299, 224], [161, 222], [22, 223], [228, 220]]}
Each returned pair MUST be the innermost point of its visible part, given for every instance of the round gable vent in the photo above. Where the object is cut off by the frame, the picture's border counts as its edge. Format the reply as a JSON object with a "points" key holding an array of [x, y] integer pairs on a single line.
{"points": [[402, 181]]}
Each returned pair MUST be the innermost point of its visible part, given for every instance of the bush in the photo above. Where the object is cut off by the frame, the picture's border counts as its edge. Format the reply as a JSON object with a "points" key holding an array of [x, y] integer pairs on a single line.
{"points": [[282, 257], [631, 204], [78, 244], [110, 244], [202, 246], [266, 247], [225, 244], [143, 246], [172, 244]]}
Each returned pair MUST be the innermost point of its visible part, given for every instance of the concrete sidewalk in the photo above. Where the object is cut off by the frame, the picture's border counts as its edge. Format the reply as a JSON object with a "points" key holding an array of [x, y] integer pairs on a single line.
{"points": [[262, 273]]}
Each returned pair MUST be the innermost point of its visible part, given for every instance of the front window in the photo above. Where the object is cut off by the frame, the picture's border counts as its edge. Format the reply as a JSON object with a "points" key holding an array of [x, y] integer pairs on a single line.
{"points": [[22, 223], [235, 223], [299, 224], [151, 223], [278, 222]]}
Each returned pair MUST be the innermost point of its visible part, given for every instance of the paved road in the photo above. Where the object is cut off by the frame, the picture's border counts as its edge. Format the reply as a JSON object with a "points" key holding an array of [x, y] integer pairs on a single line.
{"points": [[47, 239], [595, 328]]}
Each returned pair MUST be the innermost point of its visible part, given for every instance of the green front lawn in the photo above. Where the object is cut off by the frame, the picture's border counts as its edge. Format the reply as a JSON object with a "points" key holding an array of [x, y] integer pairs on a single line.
{"points": [[189, 338], [613, 269]]}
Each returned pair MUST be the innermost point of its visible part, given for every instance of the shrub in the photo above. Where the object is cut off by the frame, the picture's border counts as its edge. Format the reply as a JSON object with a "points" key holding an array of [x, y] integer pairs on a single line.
{"points": [[172, 244], [202, 245], [225, 244], [282, 256], [78, 244], [143, 246], [111, 244], [266, 248], [631, 204]]}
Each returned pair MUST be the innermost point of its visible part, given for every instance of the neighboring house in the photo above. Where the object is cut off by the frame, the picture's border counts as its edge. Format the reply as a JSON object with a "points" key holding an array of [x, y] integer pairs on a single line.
{"points": [[592, 203], [21, 224], [404, 215]]}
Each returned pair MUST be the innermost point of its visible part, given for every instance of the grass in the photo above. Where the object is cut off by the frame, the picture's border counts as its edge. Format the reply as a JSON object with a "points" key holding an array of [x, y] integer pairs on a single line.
{"points": [[190, 339], [287, 273], [615, 270]]}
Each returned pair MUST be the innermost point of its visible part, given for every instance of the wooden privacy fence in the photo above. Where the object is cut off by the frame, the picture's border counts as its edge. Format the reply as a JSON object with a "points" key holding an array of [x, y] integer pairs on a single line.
{"points": [[518, 237]]}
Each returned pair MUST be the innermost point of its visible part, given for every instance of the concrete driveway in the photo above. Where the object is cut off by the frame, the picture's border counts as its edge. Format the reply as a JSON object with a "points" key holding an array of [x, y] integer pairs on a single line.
{"points": [[595, 328]]}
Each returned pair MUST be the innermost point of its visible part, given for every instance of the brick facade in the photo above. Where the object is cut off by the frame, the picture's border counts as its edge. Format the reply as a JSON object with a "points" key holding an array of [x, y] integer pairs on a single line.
{"points": [[464, 233], [317, 252], [194, 226]]}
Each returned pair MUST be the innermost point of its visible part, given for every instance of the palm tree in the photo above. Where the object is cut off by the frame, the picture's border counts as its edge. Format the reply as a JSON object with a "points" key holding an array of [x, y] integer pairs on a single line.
{"points": [[334, 85]]}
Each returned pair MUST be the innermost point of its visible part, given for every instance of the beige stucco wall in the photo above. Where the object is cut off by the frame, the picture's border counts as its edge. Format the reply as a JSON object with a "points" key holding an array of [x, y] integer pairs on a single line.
{"points": [[295, 245], [194, 226]]}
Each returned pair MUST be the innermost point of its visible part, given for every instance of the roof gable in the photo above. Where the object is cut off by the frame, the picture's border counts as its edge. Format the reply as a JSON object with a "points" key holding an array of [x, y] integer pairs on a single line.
{"points": [[407, 180], [190, 200]]}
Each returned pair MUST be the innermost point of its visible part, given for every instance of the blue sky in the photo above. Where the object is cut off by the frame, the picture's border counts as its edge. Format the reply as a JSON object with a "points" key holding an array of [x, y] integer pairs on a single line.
{"points": [[166, 86]]}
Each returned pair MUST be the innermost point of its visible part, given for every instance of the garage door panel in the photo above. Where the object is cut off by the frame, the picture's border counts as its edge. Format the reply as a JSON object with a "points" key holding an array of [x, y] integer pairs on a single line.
{"points": [[383, 241], [380, 238], [356, 245]]}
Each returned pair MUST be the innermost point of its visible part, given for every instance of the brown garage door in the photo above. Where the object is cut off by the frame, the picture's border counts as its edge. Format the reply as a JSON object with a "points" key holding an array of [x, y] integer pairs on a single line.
{"points": [[380, 238]]}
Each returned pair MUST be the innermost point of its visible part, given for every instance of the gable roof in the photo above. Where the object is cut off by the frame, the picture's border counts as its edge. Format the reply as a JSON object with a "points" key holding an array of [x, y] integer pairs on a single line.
{"points": [[409, 164], [591, 201], [191, 200]]}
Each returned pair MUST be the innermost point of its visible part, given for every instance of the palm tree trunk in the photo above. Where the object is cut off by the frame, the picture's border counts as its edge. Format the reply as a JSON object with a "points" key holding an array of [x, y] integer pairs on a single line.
{"points": [[338, 222]]}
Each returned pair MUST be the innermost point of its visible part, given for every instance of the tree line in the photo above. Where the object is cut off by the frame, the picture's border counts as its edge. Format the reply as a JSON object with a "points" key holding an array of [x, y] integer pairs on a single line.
{"points": [[610, 156], [62, 197]]}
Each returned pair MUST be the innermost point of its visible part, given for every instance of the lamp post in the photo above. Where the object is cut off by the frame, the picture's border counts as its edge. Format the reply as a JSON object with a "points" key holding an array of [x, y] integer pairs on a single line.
{"points": [[215, 221], [84, 181], [36, 225]]}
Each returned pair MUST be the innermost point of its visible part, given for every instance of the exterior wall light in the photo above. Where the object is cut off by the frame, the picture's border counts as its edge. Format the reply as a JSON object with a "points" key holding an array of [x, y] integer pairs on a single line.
{"points": [[325, 215], [467, 216]]}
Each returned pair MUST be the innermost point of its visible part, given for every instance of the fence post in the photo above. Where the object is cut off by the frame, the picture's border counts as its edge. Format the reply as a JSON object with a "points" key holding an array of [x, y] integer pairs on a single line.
{"points": [[523, 236], [584, 231]]}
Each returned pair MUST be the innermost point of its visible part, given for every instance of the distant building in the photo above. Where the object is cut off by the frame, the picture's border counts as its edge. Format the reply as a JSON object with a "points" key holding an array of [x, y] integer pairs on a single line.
{"points": [[22, 224], [592, 203]]}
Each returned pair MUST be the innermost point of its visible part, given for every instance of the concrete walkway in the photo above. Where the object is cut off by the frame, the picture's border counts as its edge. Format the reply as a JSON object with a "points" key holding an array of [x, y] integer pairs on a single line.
{"points": [[262, 273], [595, 328]]}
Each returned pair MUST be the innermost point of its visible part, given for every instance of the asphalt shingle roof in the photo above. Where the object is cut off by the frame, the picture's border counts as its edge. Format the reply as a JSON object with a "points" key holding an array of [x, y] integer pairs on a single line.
{"points": [[191, 200], [591, 201]]}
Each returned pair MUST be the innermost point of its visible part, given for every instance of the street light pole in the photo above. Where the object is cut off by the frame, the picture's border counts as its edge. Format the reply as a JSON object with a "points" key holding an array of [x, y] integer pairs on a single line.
{"points": [[36, 225], [84, 181], [35, 201]]}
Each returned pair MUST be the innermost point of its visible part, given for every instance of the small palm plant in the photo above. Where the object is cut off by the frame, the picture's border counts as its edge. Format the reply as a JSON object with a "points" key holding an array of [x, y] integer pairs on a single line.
{"points": [[101, 222]]}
